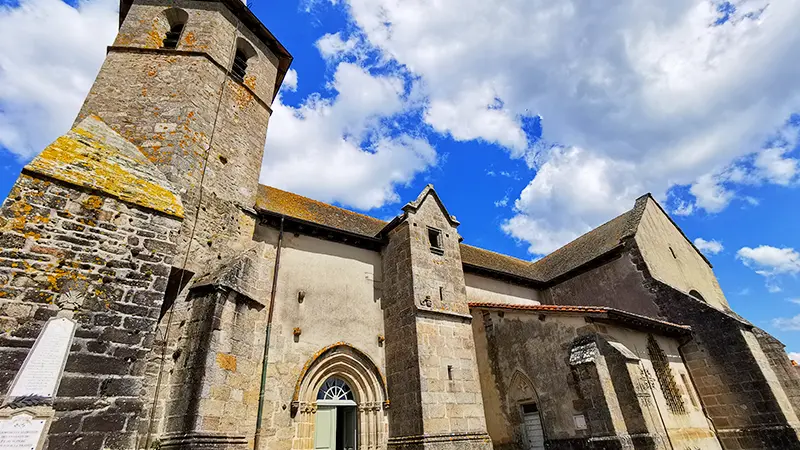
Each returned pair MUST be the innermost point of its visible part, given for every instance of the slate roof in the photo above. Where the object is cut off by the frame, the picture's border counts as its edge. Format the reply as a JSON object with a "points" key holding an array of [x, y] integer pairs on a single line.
{"points": [[598, 312], [591, 245], [582, 250], [497, 262], [276, 201]]}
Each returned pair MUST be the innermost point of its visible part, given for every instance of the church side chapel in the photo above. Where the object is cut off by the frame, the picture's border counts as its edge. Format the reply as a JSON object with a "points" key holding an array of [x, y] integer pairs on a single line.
{"points": [[154, 295]]}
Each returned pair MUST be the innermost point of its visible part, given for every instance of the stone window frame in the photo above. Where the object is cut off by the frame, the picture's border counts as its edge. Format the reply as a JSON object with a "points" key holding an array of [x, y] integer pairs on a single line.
{"points": [[175, 19], [435, 240], [246, 54]]}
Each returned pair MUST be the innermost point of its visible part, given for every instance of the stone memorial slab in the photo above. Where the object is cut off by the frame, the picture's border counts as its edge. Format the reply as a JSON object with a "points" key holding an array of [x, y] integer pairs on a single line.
{"points": [[21, 432], [41, 372]]}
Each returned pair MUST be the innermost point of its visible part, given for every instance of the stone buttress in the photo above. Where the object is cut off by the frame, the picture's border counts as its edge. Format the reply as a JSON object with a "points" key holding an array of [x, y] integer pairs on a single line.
{"points": [[88, 232]]}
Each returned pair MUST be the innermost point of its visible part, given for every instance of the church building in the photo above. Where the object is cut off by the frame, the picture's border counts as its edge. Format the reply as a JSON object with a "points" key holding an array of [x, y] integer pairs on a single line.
{"points": [[213, 312]]}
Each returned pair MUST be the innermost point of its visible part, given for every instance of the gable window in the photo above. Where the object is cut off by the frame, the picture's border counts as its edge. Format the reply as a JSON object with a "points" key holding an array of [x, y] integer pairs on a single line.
{"points": [[435, 240]]}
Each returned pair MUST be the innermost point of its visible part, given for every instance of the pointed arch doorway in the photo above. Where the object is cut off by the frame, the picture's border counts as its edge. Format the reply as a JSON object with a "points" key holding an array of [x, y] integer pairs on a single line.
{"points": [[335, 422], [340, 402]]}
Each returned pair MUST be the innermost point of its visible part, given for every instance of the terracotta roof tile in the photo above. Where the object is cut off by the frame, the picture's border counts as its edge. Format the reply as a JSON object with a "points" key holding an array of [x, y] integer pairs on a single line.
{"points": [[609, 313]]}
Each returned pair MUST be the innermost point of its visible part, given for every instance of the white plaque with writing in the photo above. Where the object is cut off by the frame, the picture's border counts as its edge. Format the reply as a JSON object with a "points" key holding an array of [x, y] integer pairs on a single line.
{"points": [[20, 432], [41, 372]]}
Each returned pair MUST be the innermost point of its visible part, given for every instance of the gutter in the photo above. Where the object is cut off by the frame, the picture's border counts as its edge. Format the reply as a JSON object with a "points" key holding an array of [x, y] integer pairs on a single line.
{"points": [[267, 332]]}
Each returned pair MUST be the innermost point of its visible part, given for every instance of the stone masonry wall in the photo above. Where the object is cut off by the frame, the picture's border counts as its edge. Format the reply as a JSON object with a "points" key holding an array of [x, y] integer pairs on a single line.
{"points": [[191, 119], [746, 411], [427, 308], [402, 353], [113, 259]]}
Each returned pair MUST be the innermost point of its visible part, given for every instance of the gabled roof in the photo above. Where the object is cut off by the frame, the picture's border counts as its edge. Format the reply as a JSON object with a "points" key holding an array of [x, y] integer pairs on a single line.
{"points": [[276, 201], [497, 263], [586, 249], [414, 206], [595, 312], [591, 245]]}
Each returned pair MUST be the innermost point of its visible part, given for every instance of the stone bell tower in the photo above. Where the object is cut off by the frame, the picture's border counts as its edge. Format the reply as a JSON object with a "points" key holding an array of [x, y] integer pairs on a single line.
{"points": [[191, 83]]}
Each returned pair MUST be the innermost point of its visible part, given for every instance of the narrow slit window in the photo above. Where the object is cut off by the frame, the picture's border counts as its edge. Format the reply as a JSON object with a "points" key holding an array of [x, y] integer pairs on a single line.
{"points": [[673, 253], [173, 36], [435, 239], [239, 68]]}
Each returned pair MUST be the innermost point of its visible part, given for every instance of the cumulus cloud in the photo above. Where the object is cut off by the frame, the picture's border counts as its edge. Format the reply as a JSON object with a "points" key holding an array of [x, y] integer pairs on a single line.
{"points": [[794, 356], [50, 53], [331, 46], [345, 149], [290, 80], [771, 262], [711, 247], [788, 324], [640, 90]]}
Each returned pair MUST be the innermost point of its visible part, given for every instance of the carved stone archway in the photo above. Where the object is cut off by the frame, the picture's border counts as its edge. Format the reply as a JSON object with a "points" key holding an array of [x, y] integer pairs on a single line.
{"points": [[368, 386]]}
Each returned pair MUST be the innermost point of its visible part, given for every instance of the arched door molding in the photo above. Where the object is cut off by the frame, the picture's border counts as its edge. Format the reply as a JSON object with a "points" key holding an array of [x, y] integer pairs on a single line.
{"points": [[521, 395], [351, 365]]}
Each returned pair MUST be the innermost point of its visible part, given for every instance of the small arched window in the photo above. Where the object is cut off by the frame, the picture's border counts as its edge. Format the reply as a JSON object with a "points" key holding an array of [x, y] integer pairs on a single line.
{"points": [[244, 51], [696, 295], [176, 19], [173, 36]]}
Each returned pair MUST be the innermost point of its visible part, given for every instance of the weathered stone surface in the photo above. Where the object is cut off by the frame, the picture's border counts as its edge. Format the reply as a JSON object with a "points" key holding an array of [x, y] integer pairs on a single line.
{"points": [[55, 268]]}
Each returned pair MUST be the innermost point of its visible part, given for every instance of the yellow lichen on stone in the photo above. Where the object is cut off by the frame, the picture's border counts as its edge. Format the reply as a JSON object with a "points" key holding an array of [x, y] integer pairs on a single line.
{"points": [[226, 361], [92, 155]]}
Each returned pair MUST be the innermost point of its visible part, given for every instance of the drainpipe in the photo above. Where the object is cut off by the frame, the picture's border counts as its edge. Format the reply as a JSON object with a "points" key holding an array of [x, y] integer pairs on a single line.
{"points": [[267, 331]]}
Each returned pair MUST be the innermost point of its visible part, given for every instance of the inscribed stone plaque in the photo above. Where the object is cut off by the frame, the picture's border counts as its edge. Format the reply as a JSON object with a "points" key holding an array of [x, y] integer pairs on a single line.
{"points": [[580, 421], [20, 432], [41, 372]]}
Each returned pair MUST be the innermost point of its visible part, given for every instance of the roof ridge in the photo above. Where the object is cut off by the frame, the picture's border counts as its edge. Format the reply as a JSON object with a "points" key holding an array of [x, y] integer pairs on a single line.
{"points": [[319, 202]]}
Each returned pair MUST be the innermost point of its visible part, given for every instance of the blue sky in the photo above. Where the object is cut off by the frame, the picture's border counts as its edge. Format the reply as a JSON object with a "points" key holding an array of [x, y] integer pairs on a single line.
{"points": [[535, 120]]}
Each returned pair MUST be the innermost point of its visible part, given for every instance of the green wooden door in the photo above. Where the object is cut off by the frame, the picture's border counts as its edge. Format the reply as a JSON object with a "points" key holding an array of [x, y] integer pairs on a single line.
{"points": [[325, 428]]}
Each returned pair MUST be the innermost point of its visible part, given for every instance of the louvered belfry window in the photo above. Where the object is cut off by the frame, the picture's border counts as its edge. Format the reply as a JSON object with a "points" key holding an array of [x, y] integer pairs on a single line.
{"points": [[173, 36], [239, 68]]}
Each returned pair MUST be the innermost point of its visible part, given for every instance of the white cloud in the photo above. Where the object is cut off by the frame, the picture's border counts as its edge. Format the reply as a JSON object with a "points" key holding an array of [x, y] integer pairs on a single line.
{"points": [[331, 46], [711, 247], [572, 192], [290, 80], [341, 149], [502, 203], [643, 90], [787, 324], [796, 301], [771, 262], [794, 356], [50, 53]]}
